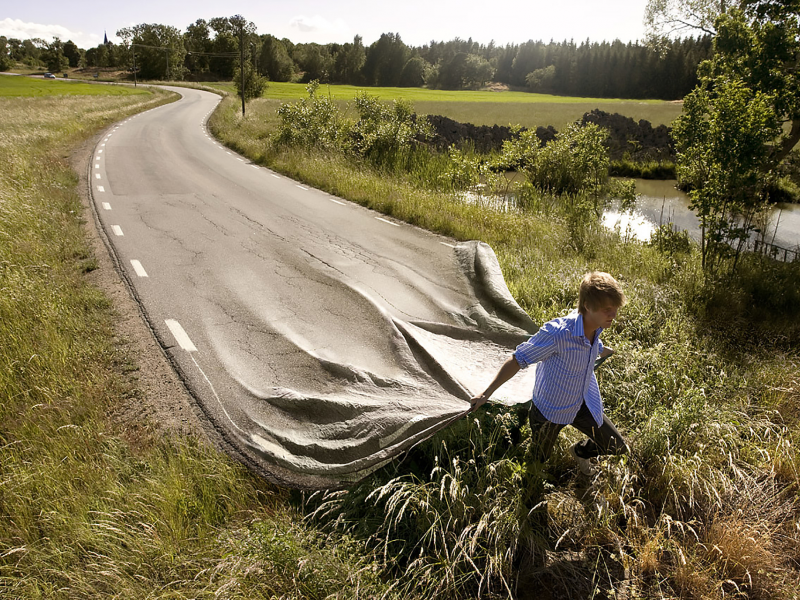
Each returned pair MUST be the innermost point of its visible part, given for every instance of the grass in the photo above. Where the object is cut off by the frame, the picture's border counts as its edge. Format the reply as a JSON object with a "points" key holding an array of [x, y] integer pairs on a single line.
{"points": [[704, 386], [90, 507], [487, 108], [705, 506], [18, 86]]}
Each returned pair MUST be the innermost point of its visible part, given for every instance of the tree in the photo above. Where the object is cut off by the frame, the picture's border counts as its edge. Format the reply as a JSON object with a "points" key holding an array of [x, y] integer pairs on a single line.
{"points": [[73, 53], [477, 71], [452, 72], [254, 84], [723, 139], [348, 62], [5, 57], [248, 81], [740, 123], [274, 61], [414, 72], [197, 41], [541, 80], [665, 19], [159, 50], [53, 56], [315, 61], [385, 60]]}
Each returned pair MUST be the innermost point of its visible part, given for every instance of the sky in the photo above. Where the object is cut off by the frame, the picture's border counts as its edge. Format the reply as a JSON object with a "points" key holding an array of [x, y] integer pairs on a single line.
{"points": [[325, 21]]}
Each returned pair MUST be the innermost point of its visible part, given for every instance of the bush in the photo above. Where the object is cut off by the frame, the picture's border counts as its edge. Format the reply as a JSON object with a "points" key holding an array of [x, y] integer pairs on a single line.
{"points": [[313, 122]]}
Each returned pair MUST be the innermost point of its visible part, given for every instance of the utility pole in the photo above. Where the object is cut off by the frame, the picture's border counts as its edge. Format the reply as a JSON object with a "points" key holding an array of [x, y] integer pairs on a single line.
{"points": [[241, 63]]}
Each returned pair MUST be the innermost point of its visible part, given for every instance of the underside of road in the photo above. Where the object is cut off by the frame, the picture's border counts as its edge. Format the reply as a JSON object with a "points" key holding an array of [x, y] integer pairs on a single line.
{"points": [[317, 337]]}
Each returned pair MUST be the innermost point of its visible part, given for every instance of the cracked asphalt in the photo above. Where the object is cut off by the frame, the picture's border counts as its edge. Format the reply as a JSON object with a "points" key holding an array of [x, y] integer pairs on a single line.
{"points": [[318, 339]]}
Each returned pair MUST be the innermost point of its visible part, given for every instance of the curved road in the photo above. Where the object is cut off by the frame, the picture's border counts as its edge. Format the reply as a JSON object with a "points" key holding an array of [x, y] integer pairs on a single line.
{"points": [[319, 337]]}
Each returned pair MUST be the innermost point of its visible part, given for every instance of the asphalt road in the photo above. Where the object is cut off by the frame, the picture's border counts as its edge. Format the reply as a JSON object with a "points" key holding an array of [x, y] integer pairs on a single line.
{"points": [[320, 338]]}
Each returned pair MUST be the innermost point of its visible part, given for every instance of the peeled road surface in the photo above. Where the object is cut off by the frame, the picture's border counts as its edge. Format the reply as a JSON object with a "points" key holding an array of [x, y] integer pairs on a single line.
{"points": [[320, 338]]}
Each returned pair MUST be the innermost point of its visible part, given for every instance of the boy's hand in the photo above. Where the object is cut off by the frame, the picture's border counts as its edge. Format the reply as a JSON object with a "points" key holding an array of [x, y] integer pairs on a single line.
{"points": [[478, 401]]}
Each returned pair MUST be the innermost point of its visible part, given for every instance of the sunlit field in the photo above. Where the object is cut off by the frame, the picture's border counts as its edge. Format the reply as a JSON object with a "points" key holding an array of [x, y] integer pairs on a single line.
{"points": [[484, 107], [16, 86]]}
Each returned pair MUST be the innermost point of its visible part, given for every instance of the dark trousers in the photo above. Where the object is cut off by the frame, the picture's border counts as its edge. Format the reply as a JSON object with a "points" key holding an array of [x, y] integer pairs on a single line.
{"points": [[602, 440]]}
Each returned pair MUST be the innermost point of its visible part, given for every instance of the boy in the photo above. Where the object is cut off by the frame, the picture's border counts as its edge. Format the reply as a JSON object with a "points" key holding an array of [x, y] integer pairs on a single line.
{"points": [[565, 390]]}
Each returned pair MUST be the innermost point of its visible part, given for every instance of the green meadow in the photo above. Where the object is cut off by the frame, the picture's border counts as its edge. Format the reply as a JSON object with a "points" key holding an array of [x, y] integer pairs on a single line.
{"points": [[485, 107], [20, 86]]}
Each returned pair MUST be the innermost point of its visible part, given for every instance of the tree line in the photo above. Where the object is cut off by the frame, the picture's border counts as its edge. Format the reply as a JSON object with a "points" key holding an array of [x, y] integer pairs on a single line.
{"points": [[210, 50]]}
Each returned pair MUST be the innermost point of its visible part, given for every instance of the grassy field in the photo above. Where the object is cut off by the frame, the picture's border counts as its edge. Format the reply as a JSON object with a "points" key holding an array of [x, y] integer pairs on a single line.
{"points": [[704, 386], [94, 508], [20, 86], [487, 108], [706, 391]]}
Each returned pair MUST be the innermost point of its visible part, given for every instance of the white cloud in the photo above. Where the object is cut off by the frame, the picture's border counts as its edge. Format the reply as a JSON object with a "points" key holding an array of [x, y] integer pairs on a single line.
{"points": [[320, 30], [16, 28]]}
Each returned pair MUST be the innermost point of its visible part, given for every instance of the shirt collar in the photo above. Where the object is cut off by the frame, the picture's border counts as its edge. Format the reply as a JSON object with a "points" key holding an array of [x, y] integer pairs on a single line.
{"points": [[577, 326]]}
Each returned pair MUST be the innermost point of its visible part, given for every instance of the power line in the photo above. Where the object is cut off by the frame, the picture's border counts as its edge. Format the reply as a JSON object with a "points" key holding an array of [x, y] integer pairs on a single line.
{"points": [[220, 54]]}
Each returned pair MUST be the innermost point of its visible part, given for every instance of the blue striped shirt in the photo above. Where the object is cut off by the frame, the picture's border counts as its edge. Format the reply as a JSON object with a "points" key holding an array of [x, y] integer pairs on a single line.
{"points": [[565, 370]]}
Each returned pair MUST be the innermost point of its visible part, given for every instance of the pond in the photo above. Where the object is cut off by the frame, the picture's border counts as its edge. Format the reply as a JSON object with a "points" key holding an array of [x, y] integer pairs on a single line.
{"points": [[660, 202]]}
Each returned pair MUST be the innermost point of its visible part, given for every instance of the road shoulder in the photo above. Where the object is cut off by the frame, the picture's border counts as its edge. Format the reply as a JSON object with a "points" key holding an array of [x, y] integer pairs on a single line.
{"points": [[160, 402]]}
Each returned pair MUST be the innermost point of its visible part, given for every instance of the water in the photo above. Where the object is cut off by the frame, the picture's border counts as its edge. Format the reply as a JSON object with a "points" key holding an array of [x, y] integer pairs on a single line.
{"points": [[659, 202]]}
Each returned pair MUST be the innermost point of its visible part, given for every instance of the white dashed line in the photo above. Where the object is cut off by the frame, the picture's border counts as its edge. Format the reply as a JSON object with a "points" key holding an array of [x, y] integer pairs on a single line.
{"points": [[99, 151], [137, 266], [97, 176], [106, 206], [275, 176], [117, 230], [389, 222], [180, 335], [337, 201], [100, 188], [255, 166], [301, 187], [97, 166], [446, 244]]}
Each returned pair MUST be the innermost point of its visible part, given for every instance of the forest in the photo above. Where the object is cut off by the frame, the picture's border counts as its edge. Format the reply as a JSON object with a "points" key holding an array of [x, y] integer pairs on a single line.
{"points": [[210, 50]]}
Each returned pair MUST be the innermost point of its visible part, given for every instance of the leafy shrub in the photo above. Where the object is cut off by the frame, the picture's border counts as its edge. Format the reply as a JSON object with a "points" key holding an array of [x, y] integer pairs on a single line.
{"points": [[387, 135], [313, 122]]}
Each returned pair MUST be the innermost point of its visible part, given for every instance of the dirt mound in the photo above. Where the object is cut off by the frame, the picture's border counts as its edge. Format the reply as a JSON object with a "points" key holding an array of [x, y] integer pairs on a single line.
{"points": [[483, 138], [640, 141]]}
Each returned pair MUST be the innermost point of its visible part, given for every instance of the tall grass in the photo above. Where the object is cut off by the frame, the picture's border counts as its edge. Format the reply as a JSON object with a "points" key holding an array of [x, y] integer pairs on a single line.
{"points": [[86, 511], [703, 386]]}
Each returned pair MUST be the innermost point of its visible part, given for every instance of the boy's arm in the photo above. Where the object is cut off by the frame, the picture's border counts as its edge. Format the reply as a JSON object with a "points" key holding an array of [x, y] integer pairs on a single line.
{"points": [[603, 356], [507, 371]]}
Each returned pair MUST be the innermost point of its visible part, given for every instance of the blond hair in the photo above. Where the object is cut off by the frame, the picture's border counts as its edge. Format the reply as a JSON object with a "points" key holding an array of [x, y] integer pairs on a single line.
{"points": [[599, 289]]}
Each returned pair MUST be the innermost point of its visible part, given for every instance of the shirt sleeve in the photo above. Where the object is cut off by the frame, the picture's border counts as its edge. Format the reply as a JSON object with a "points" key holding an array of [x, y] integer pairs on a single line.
{"points": [[600, 347], [536, 349]]}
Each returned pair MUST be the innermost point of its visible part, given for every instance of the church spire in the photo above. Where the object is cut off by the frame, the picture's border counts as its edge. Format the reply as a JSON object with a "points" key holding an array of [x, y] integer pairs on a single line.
{"points": [[105, 38]]}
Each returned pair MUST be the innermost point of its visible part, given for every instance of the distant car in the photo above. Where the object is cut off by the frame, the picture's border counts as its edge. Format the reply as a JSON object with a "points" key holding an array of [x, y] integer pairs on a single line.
{"points": [[49, 76]]}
